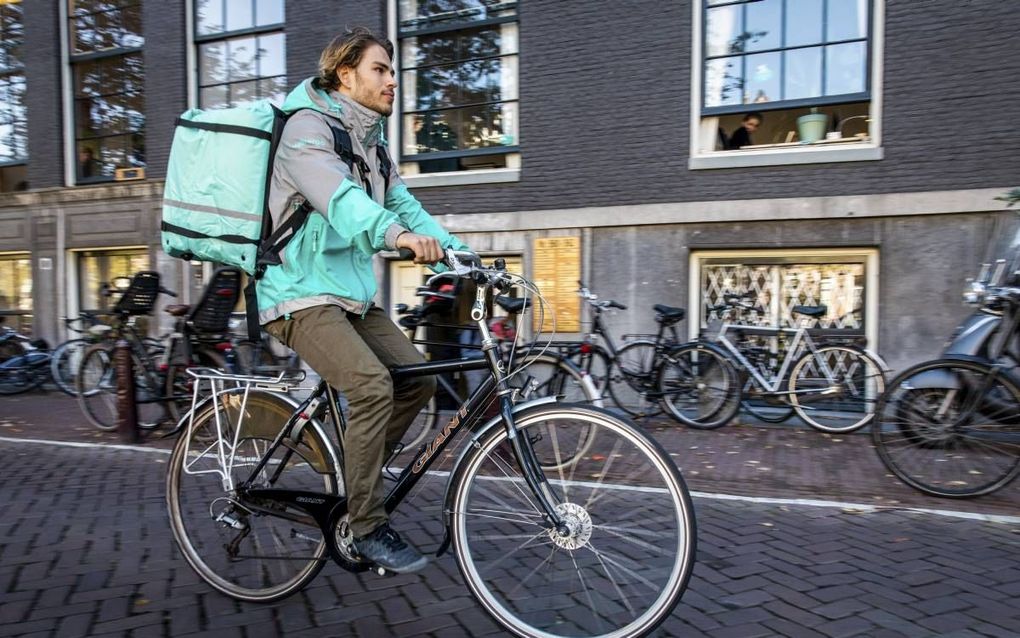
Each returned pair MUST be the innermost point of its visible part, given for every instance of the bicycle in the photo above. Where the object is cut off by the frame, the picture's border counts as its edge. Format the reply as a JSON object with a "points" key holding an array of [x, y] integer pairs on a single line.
{"points": [[832, 387], [951, 427], [549, 374], [162, 387], [603, 546], [25, 362]]}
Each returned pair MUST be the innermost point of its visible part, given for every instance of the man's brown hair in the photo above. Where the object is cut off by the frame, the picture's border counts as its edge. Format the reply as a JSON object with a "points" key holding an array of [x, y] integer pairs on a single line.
{"points": [[347, 49]]}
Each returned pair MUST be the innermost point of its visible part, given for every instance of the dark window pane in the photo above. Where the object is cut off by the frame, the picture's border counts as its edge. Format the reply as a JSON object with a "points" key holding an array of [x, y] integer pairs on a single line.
{"points": [[239, 15], [271, 54], [803, 77], [724, 82], [268, 12], [764, 25], [212, 63], [725, 31], [241, 53], [458, 84], [467, 128], [462, 45], [209, 16], [416, 14], [847, 20], [845, 68], [803, 22], [763, 77], [88, 78], [213, 97]]}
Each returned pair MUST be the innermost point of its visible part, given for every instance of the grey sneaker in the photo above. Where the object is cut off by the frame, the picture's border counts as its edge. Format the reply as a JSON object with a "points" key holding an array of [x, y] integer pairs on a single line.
{"points": [[385, 548]]}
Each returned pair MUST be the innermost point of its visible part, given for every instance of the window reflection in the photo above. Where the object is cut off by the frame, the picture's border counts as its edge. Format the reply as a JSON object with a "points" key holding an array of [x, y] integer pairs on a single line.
{"points": [[774, 51], [13, 121], [459, 84], [240, 69]]}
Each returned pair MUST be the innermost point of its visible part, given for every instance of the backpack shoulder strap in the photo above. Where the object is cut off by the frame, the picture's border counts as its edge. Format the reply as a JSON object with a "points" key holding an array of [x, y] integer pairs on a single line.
{"points": [[385, 165]]}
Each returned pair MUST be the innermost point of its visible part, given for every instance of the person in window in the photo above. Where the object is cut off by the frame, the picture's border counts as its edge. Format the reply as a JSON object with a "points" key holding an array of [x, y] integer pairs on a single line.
{"points": [[88, 166], [742, 136], [319, 300]]}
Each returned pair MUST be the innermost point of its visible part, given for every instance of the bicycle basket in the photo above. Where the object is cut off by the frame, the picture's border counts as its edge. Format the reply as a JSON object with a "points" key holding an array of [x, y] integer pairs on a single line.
{"points": [[212, 313], [140, 296]]}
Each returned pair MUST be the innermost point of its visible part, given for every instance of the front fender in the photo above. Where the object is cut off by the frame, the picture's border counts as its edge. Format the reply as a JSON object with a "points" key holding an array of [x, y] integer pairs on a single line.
{"points": [[476, 436]]}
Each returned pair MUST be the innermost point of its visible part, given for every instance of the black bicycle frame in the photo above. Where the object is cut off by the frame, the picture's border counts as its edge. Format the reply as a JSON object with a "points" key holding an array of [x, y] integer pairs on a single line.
{"points": [[327, 509]]}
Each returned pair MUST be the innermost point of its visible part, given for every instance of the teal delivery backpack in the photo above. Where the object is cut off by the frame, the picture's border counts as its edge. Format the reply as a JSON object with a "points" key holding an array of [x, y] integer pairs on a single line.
{"points": [[215, 202]]}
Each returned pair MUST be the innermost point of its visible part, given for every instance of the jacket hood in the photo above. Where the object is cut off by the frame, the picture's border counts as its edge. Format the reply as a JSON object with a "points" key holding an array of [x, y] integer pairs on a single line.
{"points": [[308, 95]]}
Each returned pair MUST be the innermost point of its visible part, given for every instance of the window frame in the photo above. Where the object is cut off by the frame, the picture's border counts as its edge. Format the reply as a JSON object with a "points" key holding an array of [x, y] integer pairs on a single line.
{"points": [[73, 60], [868, 256], [869, 150], [396, 128], [197, 40], [9, 73]]}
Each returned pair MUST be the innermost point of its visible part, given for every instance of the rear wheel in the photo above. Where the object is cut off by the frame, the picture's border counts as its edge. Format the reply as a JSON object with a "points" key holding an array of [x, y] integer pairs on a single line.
{"points": [[96, 389], [948, 428], [763, 406], [632, 379], [249, 550], [624, 558], [699, 386], [65, 363], [835, 388]]}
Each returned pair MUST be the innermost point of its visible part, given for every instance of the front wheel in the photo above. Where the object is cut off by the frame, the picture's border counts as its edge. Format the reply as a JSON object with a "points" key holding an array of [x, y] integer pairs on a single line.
{"points": [[949, 428], [248, 550], [699, 386], [96, 389], [624, 558], [65, 362], [835, 388]]}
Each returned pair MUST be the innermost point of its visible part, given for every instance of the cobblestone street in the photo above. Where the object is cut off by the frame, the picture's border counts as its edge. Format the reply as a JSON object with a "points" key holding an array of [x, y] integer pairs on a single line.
{"points": [[85, 550]]}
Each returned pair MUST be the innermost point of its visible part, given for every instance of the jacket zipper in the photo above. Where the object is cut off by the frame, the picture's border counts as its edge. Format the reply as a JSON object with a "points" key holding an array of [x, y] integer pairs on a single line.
{"points": [[364, 288]]}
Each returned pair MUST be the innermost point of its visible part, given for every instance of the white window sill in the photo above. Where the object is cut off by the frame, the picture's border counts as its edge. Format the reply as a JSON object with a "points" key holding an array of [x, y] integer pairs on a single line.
{"points": [[786, 156], [460, 178]]}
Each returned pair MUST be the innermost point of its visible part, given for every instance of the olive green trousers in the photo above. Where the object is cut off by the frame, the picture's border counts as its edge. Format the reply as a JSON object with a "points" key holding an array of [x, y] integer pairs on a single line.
{"points": [[353, 354]]}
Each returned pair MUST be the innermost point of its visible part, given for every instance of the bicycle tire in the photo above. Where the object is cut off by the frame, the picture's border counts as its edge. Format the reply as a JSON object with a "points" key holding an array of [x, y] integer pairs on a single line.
{"points": [[195, 494], [769, 412], [632, 379], [840, 404], [96, 390], [699, 386], [938, 436], [631, 525], [19, 374], [64, 364]]}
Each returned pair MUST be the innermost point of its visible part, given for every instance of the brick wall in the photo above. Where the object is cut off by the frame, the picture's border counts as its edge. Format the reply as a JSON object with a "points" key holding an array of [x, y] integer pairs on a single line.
{"points": [[166, 93], [42, 98]]}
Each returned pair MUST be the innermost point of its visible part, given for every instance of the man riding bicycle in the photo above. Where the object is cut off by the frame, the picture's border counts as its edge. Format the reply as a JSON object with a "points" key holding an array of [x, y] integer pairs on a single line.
{"points": [[318, 301]]}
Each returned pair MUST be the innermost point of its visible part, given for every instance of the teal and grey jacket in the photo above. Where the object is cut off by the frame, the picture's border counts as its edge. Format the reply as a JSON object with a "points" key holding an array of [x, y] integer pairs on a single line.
{"points": [[329, 259]]}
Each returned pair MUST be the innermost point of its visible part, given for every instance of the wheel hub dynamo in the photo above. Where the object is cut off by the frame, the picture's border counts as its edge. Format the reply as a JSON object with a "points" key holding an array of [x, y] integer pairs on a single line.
{"points": [[578, 524]]}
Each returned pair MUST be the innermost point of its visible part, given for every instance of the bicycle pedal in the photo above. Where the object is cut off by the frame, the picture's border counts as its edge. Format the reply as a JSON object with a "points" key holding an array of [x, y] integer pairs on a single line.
{"points": [[381, 571]]}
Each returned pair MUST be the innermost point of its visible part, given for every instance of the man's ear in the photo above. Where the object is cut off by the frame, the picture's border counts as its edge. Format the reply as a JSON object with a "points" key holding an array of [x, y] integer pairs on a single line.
{"points": [[343, 76]]}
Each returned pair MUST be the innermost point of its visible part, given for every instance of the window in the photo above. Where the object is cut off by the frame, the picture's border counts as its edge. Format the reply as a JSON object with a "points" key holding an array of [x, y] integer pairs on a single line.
{"points": [[16, 291], [13, 126], [100, 270], [241, 52], [782, 60], [109, 107], [842, 280], [458, 84]]}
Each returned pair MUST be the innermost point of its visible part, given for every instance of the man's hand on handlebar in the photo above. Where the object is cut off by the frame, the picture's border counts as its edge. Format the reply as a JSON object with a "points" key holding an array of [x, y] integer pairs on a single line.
{"points": [[426, 249]]}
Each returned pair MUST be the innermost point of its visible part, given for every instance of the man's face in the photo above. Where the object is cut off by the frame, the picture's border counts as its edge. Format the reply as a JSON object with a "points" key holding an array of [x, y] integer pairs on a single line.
{"points": [[752, 124], [372, 83]]}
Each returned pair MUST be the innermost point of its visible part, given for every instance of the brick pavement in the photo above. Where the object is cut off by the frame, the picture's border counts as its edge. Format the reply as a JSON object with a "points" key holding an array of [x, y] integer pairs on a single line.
{"points": [[85, 551]]}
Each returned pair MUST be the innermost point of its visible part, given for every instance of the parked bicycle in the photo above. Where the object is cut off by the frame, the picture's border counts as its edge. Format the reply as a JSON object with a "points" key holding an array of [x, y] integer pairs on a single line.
{"points": [[832, 387], [25, 362], [162, 386], [951, 427], [548, 373], [602, 546]]}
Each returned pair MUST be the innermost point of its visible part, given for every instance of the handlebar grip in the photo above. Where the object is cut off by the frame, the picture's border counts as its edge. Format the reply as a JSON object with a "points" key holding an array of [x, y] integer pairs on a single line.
{"points": [[405, 254], [617, 304], [169, 293]]}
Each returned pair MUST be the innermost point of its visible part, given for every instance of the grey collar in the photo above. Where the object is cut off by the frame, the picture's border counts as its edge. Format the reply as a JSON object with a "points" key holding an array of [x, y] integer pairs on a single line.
{"points": [[365, 124]]}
